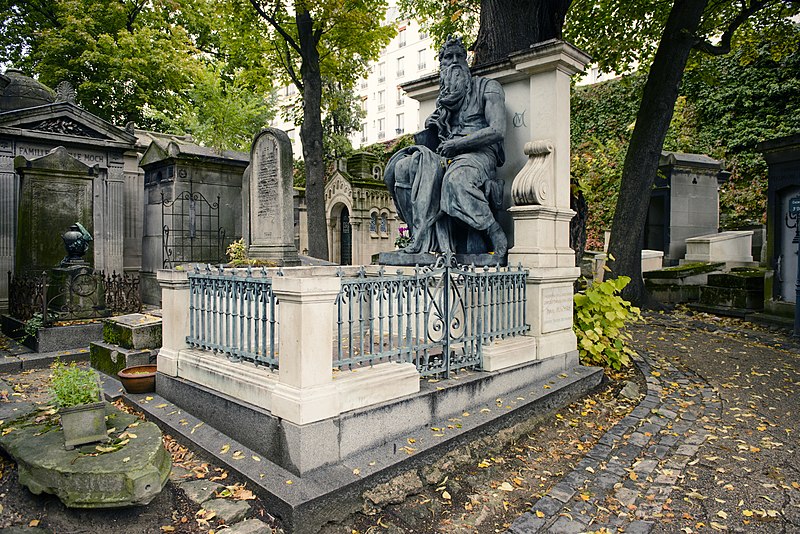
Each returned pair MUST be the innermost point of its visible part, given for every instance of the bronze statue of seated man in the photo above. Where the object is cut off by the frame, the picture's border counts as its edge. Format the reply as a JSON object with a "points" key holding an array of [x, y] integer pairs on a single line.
{"points": [[445, 187]]}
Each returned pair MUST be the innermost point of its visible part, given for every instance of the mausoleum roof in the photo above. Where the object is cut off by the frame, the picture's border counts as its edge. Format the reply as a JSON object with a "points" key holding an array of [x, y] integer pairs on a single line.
{"points": [[164, 147], [18, 91]]}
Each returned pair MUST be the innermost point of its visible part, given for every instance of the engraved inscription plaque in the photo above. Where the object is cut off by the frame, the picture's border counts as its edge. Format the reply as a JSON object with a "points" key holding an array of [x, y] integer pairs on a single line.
{"points": [[556, 308]]}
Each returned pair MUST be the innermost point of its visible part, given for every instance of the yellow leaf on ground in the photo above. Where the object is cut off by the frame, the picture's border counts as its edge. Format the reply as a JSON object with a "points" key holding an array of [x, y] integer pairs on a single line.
{"points": [[539, 513], [505, 486]]}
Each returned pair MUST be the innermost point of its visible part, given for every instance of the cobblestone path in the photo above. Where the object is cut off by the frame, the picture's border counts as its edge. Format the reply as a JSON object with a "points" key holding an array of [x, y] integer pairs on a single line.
{"points": [[625, 481]]}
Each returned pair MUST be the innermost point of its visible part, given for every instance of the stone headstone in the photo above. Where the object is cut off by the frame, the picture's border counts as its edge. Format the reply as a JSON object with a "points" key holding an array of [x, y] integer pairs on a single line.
{"points": [[267, 199], [57, 190]]}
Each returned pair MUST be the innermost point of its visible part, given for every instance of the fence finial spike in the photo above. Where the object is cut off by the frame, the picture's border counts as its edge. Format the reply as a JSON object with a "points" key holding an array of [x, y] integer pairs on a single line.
{"points": [[249, 271], [381, 271], [208, 268], [340, 272], [263, 271], [362, 273], [221, 268], [279, 272], [197, 268]]}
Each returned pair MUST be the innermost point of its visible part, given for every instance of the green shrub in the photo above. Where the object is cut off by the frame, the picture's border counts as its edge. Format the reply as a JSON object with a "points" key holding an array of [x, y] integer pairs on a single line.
{"points": [[600, 318], [71, 385]]}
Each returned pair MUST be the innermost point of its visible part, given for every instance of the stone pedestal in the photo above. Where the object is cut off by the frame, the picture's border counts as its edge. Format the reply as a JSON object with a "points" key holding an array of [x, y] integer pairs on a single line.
{"points": [[537, 85], [267, 199]]}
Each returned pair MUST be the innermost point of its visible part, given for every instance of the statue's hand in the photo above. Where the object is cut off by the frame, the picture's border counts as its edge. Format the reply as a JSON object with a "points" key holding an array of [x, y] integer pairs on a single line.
{"points": [[448, 148]]}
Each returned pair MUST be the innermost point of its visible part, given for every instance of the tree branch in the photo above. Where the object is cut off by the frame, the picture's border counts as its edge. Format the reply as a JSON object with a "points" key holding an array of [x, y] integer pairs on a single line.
{"points": [[724, 45], [274, 23]]}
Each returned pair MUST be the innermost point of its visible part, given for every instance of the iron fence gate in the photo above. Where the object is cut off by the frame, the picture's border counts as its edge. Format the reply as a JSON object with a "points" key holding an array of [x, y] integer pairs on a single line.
{"points": [[190, 230], [438, 318]]}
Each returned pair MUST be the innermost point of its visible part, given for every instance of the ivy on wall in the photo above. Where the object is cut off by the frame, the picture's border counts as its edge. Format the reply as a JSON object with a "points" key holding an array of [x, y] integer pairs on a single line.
{"points": [[727, 106]]}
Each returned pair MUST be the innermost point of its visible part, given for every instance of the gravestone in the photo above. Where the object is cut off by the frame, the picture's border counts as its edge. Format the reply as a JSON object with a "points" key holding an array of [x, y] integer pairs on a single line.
{"points": [[684, 203], [267, 200], [57, 191]]}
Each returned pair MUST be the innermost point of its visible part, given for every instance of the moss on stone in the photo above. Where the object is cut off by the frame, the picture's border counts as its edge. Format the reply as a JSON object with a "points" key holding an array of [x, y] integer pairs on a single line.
{"points": [[683, 271]]}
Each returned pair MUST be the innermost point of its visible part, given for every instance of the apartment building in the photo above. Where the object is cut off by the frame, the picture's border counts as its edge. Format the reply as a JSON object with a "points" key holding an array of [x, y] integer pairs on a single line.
{"points": [[389, 113]]}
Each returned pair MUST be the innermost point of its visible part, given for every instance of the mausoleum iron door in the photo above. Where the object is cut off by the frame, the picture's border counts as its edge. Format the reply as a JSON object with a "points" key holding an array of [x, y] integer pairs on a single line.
{"points": [[346, 238], [190, 230]]}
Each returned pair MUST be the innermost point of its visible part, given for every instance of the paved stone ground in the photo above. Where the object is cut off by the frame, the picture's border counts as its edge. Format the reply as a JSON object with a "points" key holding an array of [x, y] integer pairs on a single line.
{"points": [[712, 447]]}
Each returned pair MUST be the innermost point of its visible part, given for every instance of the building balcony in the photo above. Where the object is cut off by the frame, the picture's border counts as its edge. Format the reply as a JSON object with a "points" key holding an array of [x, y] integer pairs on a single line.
{"points": [[401, 73], [381, 79], [421, 66], [381, 135], [381, 107]]}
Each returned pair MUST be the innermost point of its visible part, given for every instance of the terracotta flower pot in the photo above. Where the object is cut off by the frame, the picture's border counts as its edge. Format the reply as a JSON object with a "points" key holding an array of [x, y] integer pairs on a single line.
{"points": [[138, 378]]}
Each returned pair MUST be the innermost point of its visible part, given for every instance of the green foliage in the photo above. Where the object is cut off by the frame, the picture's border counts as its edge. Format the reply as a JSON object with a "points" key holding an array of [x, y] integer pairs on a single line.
{"points": [[403, 239], [728, 105], [221, 110], [600, 318], [73, 386], [387, 149], [237, 253], [441, 19], [122, 56], [33, 325]]}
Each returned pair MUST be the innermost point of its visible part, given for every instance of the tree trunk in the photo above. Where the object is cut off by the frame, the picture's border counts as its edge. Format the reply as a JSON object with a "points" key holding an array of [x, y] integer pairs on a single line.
{"points": [[577, 226], [647, 140], [311, 136], [512, 25]]}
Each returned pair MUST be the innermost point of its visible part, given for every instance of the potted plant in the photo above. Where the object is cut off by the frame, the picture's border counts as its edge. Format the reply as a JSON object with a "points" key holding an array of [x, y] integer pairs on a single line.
{"points": [[83, 413], [138, 378]]}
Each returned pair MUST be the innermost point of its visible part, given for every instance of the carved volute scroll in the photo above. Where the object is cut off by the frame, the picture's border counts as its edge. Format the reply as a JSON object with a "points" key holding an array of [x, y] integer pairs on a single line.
{"points": [[532, 184]]}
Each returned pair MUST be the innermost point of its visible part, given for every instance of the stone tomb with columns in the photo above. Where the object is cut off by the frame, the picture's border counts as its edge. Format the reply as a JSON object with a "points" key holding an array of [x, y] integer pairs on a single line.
{"points": [[321, 371]]}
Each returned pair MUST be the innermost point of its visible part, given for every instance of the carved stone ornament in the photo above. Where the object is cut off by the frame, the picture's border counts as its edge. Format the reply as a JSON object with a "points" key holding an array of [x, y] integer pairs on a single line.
{"points": [[532, 184], [65, 125], [65, 92]]}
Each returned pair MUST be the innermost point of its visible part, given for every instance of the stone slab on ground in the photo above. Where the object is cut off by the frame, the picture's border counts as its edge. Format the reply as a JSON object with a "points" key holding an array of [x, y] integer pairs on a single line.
{"points": [[133, 331], [227, 510], [132, 475], [249, 526], [200, 491]]}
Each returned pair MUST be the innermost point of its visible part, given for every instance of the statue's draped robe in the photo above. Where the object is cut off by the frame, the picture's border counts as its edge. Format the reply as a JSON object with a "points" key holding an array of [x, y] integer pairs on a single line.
{"points": [[427, 188]]}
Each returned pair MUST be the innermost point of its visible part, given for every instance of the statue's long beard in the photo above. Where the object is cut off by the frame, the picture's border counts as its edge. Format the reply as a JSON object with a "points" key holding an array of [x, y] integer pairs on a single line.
{"points": [[454, 90], [455, 86]]}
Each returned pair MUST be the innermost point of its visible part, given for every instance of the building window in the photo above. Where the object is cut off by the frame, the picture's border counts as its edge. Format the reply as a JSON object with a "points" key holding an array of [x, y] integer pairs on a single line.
{"points": [[400, 124], [381, 128], [381, 98], [373, 223], [381, 72], [400, 97], [401, 38], [423, 35], [421, 59], [400, 71], [384, 225], [363, 132]]}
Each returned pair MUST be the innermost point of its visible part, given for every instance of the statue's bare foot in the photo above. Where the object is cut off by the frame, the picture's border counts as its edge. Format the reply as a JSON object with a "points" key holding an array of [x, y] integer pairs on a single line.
{"points": [[498, 239]]}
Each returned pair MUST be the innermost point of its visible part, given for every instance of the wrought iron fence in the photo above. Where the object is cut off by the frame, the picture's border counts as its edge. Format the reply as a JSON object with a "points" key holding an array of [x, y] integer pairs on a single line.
{"points": [[235, 315], [439, 318], [81, 293]]}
